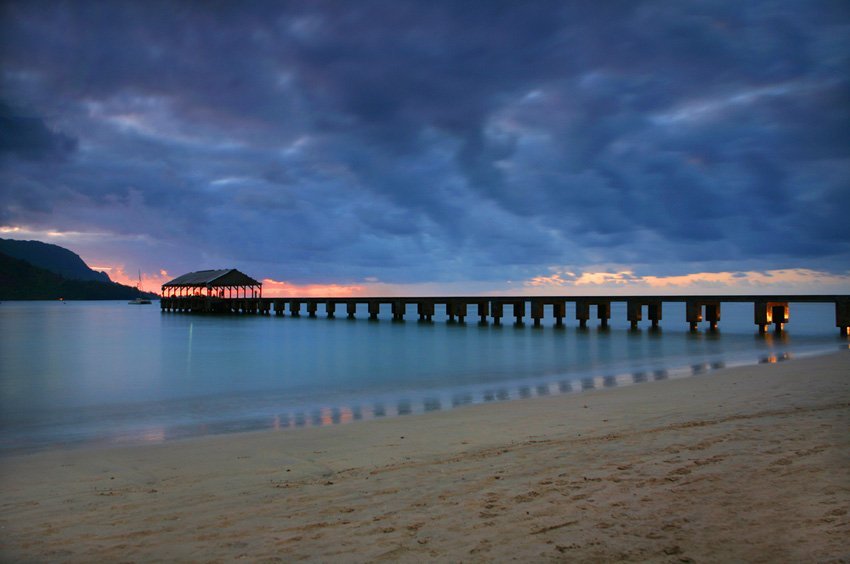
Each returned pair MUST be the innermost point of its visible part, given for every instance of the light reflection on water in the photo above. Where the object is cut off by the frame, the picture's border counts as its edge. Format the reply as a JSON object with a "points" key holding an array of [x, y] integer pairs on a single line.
{"points": [[338, 415], [104, 372]]}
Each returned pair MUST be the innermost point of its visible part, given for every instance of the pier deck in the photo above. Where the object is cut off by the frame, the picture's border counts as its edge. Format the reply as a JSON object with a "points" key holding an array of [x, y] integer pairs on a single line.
{"points": [[771, 309]]}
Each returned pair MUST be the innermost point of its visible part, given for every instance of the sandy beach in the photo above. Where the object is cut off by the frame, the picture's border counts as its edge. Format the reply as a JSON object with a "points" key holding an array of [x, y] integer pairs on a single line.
{"points": [[744, 464]]}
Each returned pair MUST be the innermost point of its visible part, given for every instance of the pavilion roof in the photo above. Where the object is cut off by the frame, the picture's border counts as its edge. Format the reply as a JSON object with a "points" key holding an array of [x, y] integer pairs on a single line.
{"points": [[213, 278]]}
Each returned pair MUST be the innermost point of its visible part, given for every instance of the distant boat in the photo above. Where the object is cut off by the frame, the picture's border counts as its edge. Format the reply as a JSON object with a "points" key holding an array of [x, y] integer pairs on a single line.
{"points": [[139, 300]]}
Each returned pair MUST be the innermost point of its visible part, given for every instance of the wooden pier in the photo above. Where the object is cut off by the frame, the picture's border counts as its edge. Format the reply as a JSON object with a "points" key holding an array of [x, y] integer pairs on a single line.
{"points": [[767, 309], [231, 291]]}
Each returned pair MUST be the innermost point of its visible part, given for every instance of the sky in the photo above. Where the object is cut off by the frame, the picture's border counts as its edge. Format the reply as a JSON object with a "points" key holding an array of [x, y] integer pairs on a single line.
{"points": [[435, 147]]}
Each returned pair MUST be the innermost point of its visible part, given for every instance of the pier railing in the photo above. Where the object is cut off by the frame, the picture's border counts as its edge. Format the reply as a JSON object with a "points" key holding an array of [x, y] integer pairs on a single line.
{"points": [[767, 309]]}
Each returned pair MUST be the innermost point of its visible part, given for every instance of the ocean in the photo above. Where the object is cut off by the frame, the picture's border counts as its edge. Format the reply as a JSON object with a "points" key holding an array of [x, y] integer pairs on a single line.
{"points": [[96, 373]]}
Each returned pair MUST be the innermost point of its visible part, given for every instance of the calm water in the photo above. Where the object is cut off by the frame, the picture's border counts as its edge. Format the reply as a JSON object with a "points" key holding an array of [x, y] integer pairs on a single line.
{"points": [[108, 372]]}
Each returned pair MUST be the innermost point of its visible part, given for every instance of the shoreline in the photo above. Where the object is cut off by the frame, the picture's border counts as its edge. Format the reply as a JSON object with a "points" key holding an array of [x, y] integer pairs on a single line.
{"points": [[751, 463], [417, 404]]}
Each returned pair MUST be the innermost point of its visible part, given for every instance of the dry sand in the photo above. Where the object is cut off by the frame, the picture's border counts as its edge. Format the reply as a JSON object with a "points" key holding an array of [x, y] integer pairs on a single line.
{"points": [[745, 464]]}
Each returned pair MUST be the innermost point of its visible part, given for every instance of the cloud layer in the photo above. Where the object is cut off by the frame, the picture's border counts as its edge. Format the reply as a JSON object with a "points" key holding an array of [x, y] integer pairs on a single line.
{"points": [[431, 142]]}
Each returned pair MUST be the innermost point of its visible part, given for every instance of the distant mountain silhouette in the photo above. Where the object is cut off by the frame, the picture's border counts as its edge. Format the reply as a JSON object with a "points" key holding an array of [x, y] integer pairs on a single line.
{"points": [[21, 280], [54, 258]]}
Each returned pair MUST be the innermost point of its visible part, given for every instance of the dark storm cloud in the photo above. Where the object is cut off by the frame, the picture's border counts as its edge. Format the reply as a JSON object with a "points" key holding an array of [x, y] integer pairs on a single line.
{"points": [[29, 138], [436, 140]]}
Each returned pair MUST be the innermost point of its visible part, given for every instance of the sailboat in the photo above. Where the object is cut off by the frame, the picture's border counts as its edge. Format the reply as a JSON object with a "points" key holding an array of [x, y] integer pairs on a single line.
{"points": [[140, 300]]}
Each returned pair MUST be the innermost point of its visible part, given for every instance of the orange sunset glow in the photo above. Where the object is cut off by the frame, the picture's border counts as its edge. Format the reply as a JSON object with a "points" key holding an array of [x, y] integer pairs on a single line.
{"points": [[627, 281], [151, 282], [279, 289]]}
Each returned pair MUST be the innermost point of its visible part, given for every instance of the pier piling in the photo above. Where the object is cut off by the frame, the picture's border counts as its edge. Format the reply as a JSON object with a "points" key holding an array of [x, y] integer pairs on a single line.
{"points": [[537, 307], [497, 312], [559, 312], [766, 313], [603, 311], [398, 309], [654, 313], [694, 313], [425, 309], [634, 312], [460, 311], [374, 310], [519, 311], [483, 311], [842, 317]]}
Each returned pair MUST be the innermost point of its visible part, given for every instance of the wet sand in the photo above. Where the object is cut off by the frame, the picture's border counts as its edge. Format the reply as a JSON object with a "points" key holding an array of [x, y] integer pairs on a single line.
{"points": [[743, 464]]}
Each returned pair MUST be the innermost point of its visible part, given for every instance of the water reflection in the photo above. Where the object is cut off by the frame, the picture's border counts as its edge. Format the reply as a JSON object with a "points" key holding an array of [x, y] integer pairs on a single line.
{"points": [[342, 414], [407, 406], [772, 338], [432, 404], [461, 399], [774, 358], [700, 368]]}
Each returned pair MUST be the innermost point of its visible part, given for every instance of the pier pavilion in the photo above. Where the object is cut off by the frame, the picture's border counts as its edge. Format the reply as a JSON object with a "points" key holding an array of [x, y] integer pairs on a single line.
{"points": [[214, 291], [228, 283]]}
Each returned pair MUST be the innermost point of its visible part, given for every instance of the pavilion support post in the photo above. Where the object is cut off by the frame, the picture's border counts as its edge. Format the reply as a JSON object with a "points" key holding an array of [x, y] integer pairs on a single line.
{"points": [[374, 310], [351, 309], [295, 308], [312, 307], [330, 309]]}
